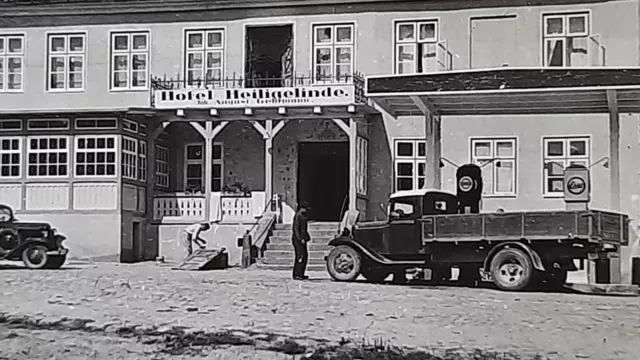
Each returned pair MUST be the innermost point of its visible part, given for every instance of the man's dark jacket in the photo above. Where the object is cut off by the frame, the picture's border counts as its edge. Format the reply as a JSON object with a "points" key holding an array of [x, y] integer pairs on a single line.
{"points": [[300, 230]]}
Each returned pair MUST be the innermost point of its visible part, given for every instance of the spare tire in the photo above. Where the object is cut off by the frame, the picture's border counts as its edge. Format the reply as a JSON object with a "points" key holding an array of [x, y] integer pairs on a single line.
{"points": [[9, 240]]}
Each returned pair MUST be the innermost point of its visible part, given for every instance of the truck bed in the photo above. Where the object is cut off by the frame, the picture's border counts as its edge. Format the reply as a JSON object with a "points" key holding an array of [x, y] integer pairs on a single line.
{"points": [[590, 225]]}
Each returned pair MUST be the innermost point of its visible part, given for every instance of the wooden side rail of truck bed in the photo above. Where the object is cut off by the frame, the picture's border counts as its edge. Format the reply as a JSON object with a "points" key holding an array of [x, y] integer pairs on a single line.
{"points": [[590, 225]]}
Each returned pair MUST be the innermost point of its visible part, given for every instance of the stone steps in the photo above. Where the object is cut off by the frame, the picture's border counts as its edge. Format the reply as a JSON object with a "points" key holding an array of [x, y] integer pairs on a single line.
{"points": [[287, 240], [289, 247], [314, 233]]}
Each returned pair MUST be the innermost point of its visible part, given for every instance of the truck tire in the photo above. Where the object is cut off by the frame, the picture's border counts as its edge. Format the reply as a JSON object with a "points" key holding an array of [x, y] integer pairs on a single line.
{"points": [[55, 262], [344, 263], [511, 269], [35, 257], [375, 275]]}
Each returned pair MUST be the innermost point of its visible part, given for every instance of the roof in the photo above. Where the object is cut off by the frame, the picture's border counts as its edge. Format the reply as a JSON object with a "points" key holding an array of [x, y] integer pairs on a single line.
{"points": [[417, 192], [509, 91]]}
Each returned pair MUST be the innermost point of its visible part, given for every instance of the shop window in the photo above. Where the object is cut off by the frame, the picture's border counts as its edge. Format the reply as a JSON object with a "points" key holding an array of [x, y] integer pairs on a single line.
{"points": [[194, 167], [333, 47], [95, 156], [409, 164], [48, 157], [416, 47], [11, 62], [559, 153], [162, 166], [497, 159], [204, 56], [10, 157], [129, 60], [66, 62], [566, 40]]}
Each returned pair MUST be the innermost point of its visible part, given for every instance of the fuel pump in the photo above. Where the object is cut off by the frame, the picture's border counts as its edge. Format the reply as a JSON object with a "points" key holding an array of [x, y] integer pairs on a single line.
{"points": [[469, 188]]}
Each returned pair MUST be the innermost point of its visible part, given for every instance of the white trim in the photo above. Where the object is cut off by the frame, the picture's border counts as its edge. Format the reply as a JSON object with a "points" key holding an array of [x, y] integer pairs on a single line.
{"points": [[96, 119], [565, 139], [492, 140], [4, 82], [130, 53], [49, 35], [115, 150], [66, 151], [333, 45], [565, 35], [260, 23], [21, 159], [414, 160], [129, 158], [130, 122], [11, 120], [415, 43], [29, 121], [204, 51]]}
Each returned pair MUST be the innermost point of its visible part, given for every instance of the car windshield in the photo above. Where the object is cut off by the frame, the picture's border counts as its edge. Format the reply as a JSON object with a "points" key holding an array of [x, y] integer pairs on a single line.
{"points": [[402, 208]]}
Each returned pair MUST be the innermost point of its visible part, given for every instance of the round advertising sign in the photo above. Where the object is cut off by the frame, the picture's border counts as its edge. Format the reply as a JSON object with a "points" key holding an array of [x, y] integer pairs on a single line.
{"points": [[576, 185], [465, 183]]}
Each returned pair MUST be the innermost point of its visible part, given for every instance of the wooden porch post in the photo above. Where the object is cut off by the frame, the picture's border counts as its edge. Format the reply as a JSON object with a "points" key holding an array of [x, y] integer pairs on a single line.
{"points": [[351, 129], [614, 170], [154, 131], [268, 161], [433, 153]]}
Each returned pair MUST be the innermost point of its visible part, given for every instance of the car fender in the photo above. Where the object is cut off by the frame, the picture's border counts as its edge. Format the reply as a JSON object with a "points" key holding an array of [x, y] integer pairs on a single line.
{"points": [[533, 255], [362, 250], [28, 242]]}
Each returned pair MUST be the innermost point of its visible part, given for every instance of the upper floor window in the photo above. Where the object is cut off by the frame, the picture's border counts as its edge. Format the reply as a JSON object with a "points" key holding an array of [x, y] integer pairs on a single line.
{"points": [[11, 62], [416, 47], [497, 158], [204, 56], [559, 153], [66, 62], [410, 164], [129, 60], [566, 39], [333, 47]]}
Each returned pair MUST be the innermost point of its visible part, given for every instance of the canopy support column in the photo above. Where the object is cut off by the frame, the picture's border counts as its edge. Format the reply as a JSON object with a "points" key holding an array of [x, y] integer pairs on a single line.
{"points": [[615, 271], [433, 179]]}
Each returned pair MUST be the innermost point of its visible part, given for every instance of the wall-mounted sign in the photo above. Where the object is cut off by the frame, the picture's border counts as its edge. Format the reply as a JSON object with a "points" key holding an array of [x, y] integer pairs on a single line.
{"points": [[320, 95], [576, 185]]}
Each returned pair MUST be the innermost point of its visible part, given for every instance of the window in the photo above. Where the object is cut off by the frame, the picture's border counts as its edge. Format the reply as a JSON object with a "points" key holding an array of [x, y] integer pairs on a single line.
{"points": [[129, 158], [48, 124], [66, 62], [204, 56], [10, 156], [402, 208], [162, 166], [361, 165], [11, 62], [410, 164], [497, 159], [95, 156], [416, 45], [11, 125], [129, 60], [194, 170], [130, 126], [566, 39], [560, 153], [333, 52], [48, 156], [88, 123], [142, 160]]}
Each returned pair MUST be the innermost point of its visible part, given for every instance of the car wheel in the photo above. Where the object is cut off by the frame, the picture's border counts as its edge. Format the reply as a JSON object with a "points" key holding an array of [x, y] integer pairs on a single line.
{"points": [[511, 269], [344, 263], [55, 262], [9, 240], [375, 275], [35, 257]]}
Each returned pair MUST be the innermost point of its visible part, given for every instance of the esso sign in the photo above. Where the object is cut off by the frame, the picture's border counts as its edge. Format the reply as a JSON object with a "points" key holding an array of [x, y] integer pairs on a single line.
{"points": [[576, 185], [465, 183]]}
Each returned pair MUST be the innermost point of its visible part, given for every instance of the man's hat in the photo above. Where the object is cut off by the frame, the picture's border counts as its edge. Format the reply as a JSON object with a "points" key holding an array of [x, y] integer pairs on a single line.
{"points": [[304, 205]]}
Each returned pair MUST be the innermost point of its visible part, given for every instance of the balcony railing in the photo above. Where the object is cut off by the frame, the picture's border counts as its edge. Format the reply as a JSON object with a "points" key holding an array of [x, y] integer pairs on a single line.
{"points": [[179, 208], [190, 208]]}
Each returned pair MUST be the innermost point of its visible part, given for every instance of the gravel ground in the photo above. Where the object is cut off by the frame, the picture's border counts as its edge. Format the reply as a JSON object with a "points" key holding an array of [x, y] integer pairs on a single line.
{"points": [[316, 312]]}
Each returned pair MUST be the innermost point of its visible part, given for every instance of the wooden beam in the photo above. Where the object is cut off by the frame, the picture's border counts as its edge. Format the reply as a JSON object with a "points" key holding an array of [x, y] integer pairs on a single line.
{"points": [[199, 128], [279, 126], [268, 161], [260, 129], [215, 131], [346, 128], [383, 106], [612, 100], [424, 105]]}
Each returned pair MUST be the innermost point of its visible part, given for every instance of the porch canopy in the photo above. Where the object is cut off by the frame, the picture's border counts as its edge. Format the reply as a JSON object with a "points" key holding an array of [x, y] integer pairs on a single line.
{"points": [[511, 91]]}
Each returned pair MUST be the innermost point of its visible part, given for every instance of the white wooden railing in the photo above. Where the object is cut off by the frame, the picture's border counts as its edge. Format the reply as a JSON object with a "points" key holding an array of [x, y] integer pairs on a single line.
{"points": [[187, 208], [178, 208]]}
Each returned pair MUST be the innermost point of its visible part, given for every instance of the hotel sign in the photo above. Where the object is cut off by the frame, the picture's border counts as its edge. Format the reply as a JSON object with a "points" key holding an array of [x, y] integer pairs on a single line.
{"points": [[253, 98]]}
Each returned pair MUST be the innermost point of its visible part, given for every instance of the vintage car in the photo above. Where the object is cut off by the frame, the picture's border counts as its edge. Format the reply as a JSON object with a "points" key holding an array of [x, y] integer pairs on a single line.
{"points": [[436, 230], [37, 245]]}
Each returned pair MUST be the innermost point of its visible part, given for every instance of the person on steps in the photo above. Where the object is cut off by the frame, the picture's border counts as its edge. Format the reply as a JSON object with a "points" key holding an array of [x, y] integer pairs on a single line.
{"points": [[191, 234], [300, 238]]}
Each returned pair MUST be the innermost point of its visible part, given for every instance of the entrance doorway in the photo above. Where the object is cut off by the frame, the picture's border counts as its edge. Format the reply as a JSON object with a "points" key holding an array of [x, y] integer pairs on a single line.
{"points": [[269, 56], [323, 179]]}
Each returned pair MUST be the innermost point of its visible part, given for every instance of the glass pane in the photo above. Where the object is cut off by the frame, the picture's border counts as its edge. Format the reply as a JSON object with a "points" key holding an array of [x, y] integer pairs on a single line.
{"points": [[139, 42], [139, 78], [406, 68], [217, 170], [487, 177], [404, 184], [422, 169], [76, 43], [323, 35], [75, 63], [343, 72], [428, 31], [194, 41], [194, 152], [344, 34], [214, 39], [139, 62], [404, 169], [121, 62], [504, 176], [323, 56], [403, 209], [504, 148], [1, 45], [194, 61], [578, 51], [482, 149], [555, 52], [406, 32], [422, 149], [577, 25], [404, 148], [343, 55], [120, 79], [57, 44], [555, 26], [214, 59], [555, 148], [406, 52], [217, 152], [194, 170], [555, 168], [15, 45], [323, 71], [578, 148], [555, 184], [121, 42]]}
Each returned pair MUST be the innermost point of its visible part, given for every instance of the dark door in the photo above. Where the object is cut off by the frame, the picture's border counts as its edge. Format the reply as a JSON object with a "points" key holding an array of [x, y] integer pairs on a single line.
{"points": [[137, 246], [323, 179], [404, 228]]}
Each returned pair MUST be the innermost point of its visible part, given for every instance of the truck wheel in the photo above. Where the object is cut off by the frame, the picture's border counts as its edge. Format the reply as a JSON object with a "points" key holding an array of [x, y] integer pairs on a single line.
{"points": [[344, 263], [512, 270], [35, 257], [55, 262], [375, 275]]}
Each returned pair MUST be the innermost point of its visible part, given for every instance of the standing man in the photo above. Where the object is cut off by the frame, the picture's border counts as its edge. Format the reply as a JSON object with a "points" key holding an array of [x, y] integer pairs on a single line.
{"points": [[300, 238], [190, 235]]}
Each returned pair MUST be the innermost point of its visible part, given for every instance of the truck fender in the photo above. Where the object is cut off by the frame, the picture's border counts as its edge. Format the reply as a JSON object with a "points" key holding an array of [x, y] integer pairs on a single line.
{"points": [[348, 241], [535, 258]]}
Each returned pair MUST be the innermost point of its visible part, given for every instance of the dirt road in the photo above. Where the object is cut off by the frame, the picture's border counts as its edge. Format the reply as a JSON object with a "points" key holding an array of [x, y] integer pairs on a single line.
{"points": [[267, 307]]}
